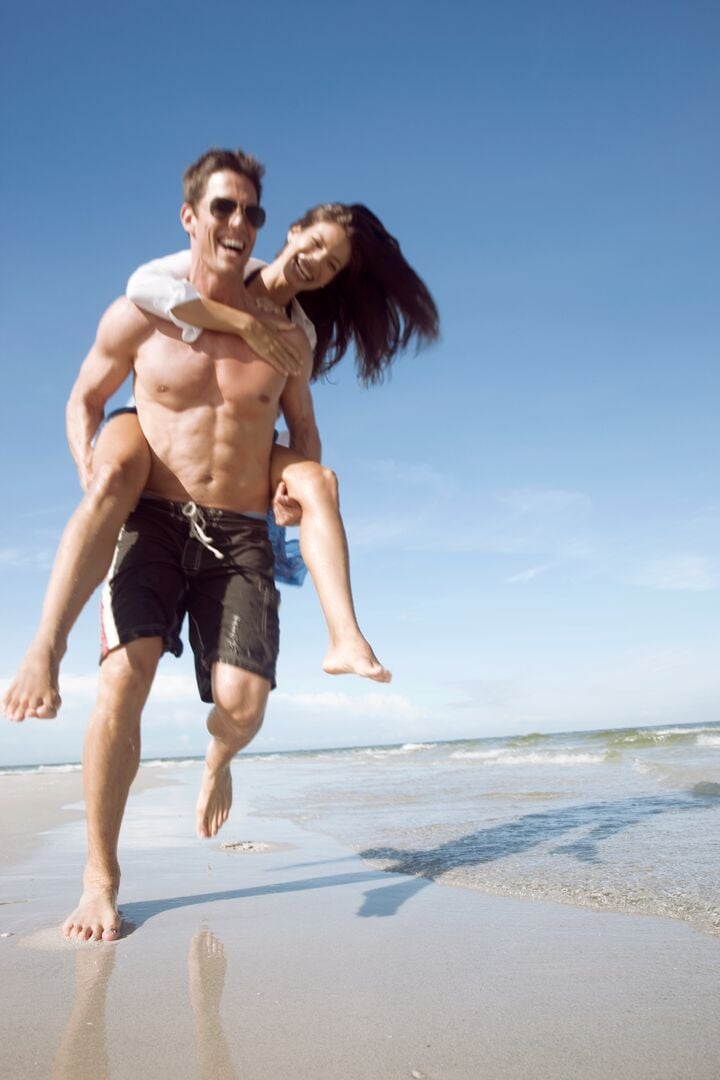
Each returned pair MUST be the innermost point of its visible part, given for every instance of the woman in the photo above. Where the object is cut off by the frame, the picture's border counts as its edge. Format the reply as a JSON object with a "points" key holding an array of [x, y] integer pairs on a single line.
{"points": [[342, 277]]}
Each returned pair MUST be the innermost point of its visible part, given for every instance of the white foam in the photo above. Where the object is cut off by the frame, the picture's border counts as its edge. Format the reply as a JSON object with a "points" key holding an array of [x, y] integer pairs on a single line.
{"points": [[543, 757], [33, 770]]}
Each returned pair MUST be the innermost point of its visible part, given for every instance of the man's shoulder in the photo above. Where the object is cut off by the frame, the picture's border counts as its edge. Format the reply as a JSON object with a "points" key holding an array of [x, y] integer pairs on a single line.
{"points": [[123, 325]]}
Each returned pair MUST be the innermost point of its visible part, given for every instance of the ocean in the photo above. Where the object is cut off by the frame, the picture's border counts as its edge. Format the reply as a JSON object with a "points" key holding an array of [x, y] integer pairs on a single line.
{"points": [[624, 820]]}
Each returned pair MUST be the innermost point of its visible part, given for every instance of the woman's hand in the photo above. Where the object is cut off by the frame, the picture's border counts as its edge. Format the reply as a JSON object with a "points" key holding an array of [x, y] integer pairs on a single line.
{"points": [[265, 337], [286, 511]]}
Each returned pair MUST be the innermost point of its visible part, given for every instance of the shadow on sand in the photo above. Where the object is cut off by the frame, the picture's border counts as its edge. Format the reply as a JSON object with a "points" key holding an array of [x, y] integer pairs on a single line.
{"points": [[601, 820]]}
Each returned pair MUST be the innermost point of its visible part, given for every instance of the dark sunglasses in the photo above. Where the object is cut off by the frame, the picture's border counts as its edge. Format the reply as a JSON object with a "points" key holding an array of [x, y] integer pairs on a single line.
{"points": [[225, 208]]}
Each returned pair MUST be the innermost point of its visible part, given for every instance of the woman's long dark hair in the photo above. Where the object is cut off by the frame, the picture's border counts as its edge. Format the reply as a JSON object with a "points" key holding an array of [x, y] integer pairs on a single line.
{"points": [[377, 301]]}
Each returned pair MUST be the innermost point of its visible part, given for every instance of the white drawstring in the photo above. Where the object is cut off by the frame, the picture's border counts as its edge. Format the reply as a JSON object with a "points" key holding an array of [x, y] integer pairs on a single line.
{"points": [[197, 522]]}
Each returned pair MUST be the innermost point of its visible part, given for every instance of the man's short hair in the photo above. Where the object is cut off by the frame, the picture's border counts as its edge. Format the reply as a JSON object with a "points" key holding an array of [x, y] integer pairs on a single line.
{"points": [[197, 175]]}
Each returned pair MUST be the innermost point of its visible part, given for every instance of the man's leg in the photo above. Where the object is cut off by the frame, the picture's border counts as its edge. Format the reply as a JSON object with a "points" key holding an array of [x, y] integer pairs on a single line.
{"points": [[121, 462], [240, 699], [324, 548], [111, 756]]}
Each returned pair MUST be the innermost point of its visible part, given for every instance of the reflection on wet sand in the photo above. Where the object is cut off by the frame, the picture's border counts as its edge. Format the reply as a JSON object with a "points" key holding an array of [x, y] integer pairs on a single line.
{"points": [[206, 970], [83, 1054]]}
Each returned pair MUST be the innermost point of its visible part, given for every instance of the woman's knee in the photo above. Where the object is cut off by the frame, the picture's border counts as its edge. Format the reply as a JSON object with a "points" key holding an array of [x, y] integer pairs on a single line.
{"points": [[310, 483], [121, 460]]}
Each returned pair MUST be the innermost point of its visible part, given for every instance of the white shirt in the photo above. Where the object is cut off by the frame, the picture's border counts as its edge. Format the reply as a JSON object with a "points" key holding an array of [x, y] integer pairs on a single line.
{"points": [[161, 285]]}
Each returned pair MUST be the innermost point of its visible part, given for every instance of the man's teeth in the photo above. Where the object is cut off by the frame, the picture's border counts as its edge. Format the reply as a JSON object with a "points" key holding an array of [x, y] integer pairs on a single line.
{"points": [[234, 245]]}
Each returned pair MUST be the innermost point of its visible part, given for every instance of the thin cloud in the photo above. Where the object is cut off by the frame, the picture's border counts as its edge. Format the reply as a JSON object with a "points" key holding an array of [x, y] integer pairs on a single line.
{"points": [[690, 573], [81, 689], [368, 704], [543, 521], [545, 501], [24, 558], [526, 576], [414, 475]]}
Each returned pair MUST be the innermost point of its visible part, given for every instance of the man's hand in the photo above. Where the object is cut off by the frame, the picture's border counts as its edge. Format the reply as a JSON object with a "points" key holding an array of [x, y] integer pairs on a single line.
{"points": [[84, 468], [286, 511]]}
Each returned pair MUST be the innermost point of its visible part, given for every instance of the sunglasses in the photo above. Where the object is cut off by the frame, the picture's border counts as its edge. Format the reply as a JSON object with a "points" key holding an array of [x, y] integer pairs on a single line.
{"points": [[225, 208]]}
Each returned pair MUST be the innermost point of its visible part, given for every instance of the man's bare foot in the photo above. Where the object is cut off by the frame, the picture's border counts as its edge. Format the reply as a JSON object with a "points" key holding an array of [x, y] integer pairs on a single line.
{"points": [[214, 801], [355, 658], [34, 690], [96, 917]]}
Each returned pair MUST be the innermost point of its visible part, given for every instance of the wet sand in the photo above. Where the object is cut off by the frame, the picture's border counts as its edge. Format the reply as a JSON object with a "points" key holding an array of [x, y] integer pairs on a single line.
{"points": [[289, 956]]}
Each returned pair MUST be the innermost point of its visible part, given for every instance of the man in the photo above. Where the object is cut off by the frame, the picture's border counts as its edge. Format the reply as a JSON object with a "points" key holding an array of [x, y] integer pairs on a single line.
{"points": [[197, 541]]}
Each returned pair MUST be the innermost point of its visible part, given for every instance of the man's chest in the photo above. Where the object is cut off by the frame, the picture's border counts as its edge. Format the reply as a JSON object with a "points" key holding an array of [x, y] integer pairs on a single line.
{"points": [[217, 369]]}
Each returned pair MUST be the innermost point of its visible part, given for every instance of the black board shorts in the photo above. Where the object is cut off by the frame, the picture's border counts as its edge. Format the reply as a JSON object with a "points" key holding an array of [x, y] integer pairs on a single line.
{"points": [[164, 566]]}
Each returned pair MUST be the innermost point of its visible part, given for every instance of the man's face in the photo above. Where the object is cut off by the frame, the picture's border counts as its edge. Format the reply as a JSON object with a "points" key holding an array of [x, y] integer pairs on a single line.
{"points": [[223, 240], [314, 255]]}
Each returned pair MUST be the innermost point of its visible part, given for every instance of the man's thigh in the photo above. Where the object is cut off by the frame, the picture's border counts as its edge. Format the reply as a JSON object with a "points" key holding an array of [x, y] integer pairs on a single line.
{"points": [[233, 605], [144, 595]]}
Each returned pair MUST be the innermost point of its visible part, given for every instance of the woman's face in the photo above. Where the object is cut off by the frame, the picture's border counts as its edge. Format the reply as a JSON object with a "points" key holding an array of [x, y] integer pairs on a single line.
{"points": [[314, 255]]}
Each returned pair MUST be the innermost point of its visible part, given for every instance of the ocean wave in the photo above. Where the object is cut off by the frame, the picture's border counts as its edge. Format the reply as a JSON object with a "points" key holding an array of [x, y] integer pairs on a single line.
{"points": [[531, 739], [643, 738], [33, 770], [709, 740], [542, 757], [171, 763]]}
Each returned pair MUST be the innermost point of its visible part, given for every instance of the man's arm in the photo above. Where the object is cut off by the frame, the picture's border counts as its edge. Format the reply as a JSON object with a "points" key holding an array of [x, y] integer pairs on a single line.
{"points": [[120, 332]]}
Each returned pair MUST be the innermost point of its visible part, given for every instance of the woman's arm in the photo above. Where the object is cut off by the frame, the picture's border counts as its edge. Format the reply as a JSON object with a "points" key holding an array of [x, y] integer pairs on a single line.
{"points": [[160, 288]]}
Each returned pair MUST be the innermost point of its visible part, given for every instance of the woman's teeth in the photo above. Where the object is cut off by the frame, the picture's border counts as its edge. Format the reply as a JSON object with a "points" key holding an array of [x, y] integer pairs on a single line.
{"points": [[302, 271]]}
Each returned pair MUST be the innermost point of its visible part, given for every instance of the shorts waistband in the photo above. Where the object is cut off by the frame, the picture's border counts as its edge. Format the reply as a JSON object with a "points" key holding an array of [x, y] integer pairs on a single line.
{"points": [[212, 513]]}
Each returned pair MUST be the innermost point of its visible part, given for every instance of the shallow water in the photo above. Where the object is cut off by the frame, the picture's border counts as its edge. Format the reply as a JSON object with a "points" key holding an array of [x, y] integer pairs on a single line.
{"points": [[623, 820]]}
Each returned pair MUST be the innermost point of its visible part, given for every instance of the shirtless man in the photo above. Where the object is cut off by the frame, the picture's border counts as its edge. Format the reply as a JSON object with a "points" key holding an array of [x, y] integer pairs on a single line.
{"points": [[197, 541]]}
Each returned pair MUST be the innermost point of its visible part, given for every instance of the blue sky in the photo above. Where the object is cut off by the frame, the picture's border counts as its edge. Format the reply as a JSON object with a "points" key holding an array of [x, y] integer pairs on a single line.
{"points": [[532, 504]]}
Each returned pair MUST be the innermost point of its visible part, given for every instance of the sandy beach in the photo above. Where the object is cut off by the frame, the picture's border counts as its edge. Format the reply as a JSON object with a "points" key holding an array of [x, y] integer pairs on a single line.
{"points": [[288, 955]]}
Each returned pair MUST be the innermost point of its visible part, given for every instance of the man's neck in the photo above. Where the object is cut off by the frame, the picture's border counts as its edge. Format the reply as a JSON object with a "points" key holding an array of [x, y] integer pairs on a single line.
{"points": [[226, 288]]}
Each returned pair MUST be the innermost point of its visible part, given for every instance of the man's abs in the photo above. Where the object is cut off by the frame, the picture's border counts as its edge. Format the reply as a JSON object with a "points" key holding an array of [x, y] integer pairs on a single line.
{"points": [[208, 415]]}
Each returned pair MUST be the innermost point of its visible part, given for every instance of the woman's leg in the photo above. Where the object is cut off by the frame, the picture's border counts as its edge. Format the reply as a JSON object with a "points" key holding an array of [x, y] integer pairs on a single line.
{"points": [[121, 464], [324, 548]]}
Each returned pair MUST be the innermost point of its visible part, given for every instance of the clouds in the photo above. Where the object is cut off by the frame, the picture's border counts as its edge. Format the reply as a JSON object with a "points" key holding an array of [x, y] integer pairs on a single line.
{"points": [[526, 576], [559, 533], [368, 704], [628, 687], [20, 558], [692, 573], [424, 510]]}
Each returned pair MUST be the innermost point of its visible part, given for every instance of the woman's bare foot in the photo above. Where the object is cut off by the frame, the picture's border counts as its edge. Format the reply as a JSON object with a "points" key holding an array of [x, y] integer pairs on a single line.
{"points": [[96, 917], [214, 801], [34, 691], [355, 658]]}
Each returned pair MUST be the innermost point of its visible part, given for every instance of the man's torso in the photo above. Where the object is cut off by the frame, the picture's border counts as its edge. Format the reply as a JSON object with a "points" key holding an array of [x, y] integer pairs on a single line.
{"points": [[208, 412]]}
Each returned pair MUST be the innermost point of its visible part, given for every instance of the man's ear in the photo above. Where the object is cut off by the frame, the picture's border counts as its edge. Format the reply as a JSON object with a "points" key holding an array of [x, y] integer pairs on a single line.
{"points": [[187, 218]]}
